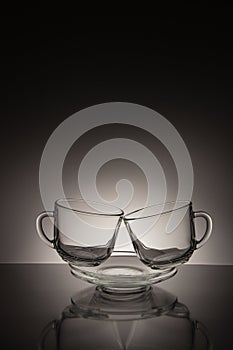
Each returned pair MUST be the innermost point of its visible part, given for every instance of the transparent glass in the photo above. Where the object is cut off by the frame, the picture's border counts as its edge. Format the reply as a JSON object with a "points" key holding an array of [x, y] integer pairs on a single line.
{"points": [[138, 323], [164, 235], [84, 232]]}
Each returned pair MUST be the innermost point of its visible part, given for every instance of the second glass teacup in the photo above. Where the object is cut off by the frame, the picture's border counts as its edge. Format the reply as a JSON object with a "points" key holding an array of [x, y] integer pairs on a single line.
{"points": [[164, 235]]}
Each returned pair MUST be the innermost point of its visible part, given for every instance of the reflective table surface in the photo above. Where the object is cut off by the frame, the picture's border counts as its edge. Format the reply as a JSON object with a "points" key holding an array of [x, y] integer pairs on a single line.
{"points": [[44, 307]]}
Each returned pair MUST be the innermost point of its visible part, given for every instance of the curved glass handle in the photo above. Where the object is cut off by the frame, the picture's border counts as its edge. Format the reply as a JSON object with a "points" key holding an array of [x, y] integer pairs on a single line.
{"points": [[39, 228], [198, 326], [51, 326], [209, 226]]}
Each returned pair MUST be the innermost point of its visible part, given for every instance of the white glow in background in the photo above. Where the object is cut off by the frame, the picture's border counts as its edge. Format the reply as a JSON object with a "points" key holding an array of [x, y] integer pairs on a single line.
{"points": [[68, 132]]}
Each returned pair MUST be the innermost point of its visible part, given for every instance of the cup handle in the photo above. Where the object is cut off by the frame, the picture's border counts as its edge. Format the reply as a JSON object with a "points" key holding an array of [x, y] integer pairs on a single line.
{"points": [[209, 226], [39, 228], [43, 336], [198, 326]]}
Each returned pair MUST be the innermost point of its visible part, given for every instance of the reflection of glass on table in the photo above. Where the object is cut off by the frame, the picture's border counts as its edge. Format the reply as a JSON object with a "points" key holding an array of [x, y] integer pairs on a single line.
{"points": [[150, 320]]}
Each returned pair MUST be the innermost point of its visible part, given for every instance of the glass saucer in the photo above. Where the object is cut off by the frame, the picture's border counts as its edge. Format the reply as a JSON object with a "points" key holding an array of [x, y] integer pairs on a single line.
{"points": [[122, 273]]}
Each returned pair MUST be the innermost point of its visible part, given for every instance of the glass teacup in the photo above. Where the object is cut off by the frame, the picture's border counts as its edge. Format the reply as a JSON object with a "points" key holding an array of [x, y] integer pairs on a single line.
{"points": [[84, 232], [164, 235]]}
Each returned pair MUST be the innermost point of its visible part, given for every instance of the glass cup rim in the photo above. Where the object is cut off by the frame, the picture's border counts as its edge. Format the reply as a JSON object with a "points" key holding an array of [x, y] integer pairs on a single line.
{"points": [[183, 204], [119, 213]]}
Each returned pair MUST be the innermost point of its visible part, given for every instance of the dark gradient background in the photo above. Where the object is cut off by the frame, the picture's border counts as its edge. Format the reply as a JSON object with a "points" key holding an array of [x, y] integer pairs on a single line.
{"points": [[179, 66]]}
